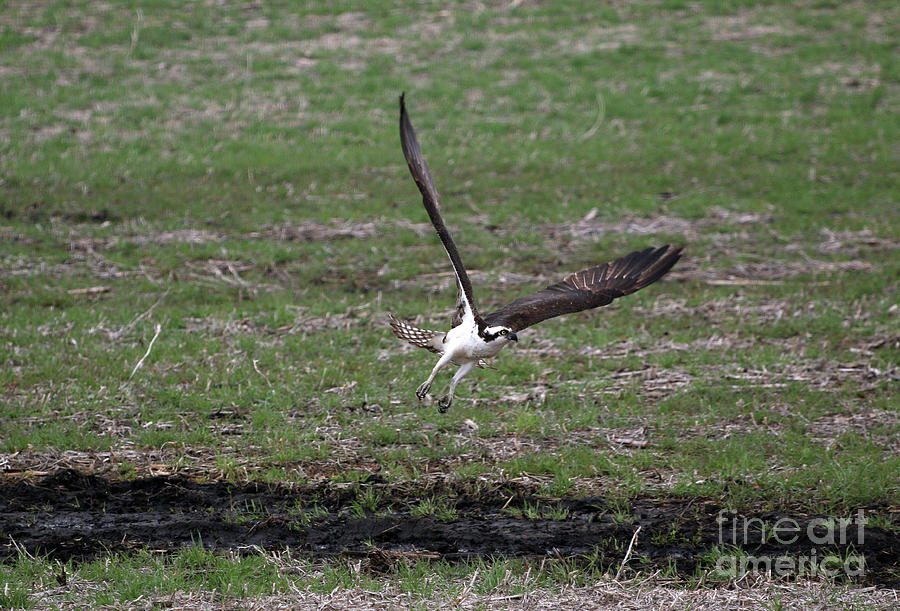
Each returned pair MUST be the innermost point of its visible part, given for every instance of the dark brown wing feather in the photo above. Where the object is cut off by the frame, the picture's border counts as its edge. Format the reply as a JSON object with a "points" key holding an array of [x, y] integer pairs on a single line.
{"points": [[419, 170], [589, 288]]}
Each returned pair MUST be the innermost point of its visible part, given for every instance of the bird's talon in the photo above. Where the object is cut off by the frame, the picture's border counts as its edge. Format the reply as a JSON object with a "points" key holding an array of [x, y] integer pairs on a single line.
{"points": [[444, 404], [422, 391]]}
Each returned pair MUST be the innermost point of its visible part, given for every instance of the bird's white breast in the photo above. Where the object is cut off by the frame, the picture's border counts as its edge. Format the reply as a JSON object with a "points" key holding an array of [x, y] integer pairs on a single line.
{"points": [[464, 344]]}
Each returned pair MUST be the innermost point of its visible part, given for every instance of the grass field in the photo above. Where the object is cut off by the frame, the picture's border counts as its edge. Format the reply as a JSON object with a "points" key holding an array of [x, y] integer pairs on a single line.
{"points": [[205, 218]]}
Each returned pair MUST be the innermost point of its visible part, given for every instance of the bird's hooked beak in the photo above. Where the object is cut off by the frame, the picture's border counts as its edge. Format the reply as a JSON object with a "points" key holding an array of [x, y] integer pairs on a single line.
{"points": [[512, 337]]}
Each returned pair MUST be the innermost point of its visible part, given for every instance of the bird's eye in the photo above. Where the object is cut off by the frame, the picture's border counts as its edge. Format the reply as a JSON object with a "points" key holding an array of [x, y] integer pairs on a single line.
{"points": [[503, 332]]}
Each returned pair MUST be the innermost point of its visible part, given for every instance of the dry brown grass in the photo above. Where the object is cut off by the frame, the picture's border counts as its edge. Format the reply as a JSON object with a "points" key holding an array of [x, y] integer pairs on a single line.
{"points": [[747, 593]]}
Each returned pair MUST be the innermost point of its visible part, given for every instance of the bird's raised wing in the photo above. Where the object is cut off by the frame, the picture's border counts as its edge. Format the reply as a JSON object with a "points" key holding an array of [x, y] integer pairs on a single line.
{"points": [[422, 176], [589, 288]]}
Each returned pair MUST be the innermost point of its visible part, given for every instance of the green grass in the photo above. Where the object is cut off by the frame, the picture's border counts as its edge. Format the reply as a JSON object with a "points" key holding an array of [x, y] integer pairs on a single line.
{"points": [[439, 508], [194, 569], [169, 155]]}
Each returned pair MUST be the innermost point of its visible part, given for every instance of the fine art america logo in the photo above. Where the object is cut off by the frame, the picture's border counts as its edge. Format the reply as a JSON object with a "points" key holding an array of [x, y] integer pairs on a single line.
{"points": [[818, 538]]}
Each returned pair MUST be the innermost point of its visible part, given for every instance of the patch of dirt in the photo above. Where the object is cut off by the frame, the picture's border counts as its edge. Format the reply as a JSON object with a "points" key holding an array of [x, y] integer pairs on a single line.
{"points": [[719, 82], [185, 236], [303, 323], [602, 38], [441, 282], [538, 344], [95, 265], [661, 382], [651, 382], [168, 460], [345, 40], [858, 76], [749, 274], [311, 231], [177, 236], [853, 242], [589, 228], [307, 231], [821, 374], [214, 271], [739, 27], [735, 305], [507, 446], [828, 428], [71, 515]]}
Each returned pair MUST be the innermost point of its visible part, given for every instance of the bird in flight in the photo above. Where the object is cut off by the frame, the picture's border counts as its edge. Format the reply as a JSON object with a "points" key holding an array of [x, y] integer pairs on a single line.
{"points": [[472, 337]]}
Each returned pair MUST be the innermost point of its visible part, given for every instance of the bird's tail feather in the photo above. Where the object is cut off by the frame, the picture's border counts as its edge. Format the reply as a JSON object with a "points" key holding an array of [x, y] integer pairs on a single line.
{"points": [[422, 338]]}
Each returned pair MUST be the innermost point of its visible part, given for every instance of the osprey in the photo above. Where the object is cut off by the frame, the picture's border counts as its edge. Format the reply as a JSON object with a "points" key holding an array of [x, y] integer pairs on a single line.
{"points": [[472, 337]]}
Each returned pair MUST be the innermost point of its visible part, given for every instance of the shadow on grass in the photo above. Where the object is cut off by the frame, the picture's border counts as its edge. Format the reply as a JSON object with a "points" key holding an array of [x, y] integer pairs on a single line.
{"points": [[71, 515]]}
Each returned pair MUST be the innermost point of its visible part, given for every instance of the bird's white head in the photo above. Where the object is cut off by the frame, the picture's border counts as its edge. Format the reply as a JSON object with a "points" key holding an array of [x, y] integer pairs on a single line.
{"points": [[490, 334]]}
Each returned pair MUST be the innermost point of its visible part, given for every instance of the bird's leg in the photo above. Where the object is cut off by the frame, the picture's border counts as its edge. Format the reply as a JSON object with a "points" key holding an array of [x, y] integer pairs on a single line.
{"points": [[425, 386], [446, 400]]}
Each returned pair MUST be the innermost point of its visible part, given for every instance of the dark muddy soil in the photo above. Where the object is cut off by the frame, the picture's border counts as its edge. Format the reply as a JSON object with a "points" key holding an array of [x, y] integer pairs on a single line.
{"points": [[78, 516]]}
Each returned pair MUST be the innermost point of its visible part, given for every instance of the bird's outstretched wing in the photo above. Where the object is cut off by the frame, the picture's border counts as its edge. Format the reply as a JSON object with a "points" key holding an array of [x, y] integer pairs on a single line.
{"points": [[589, 288], [422, 176]]}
